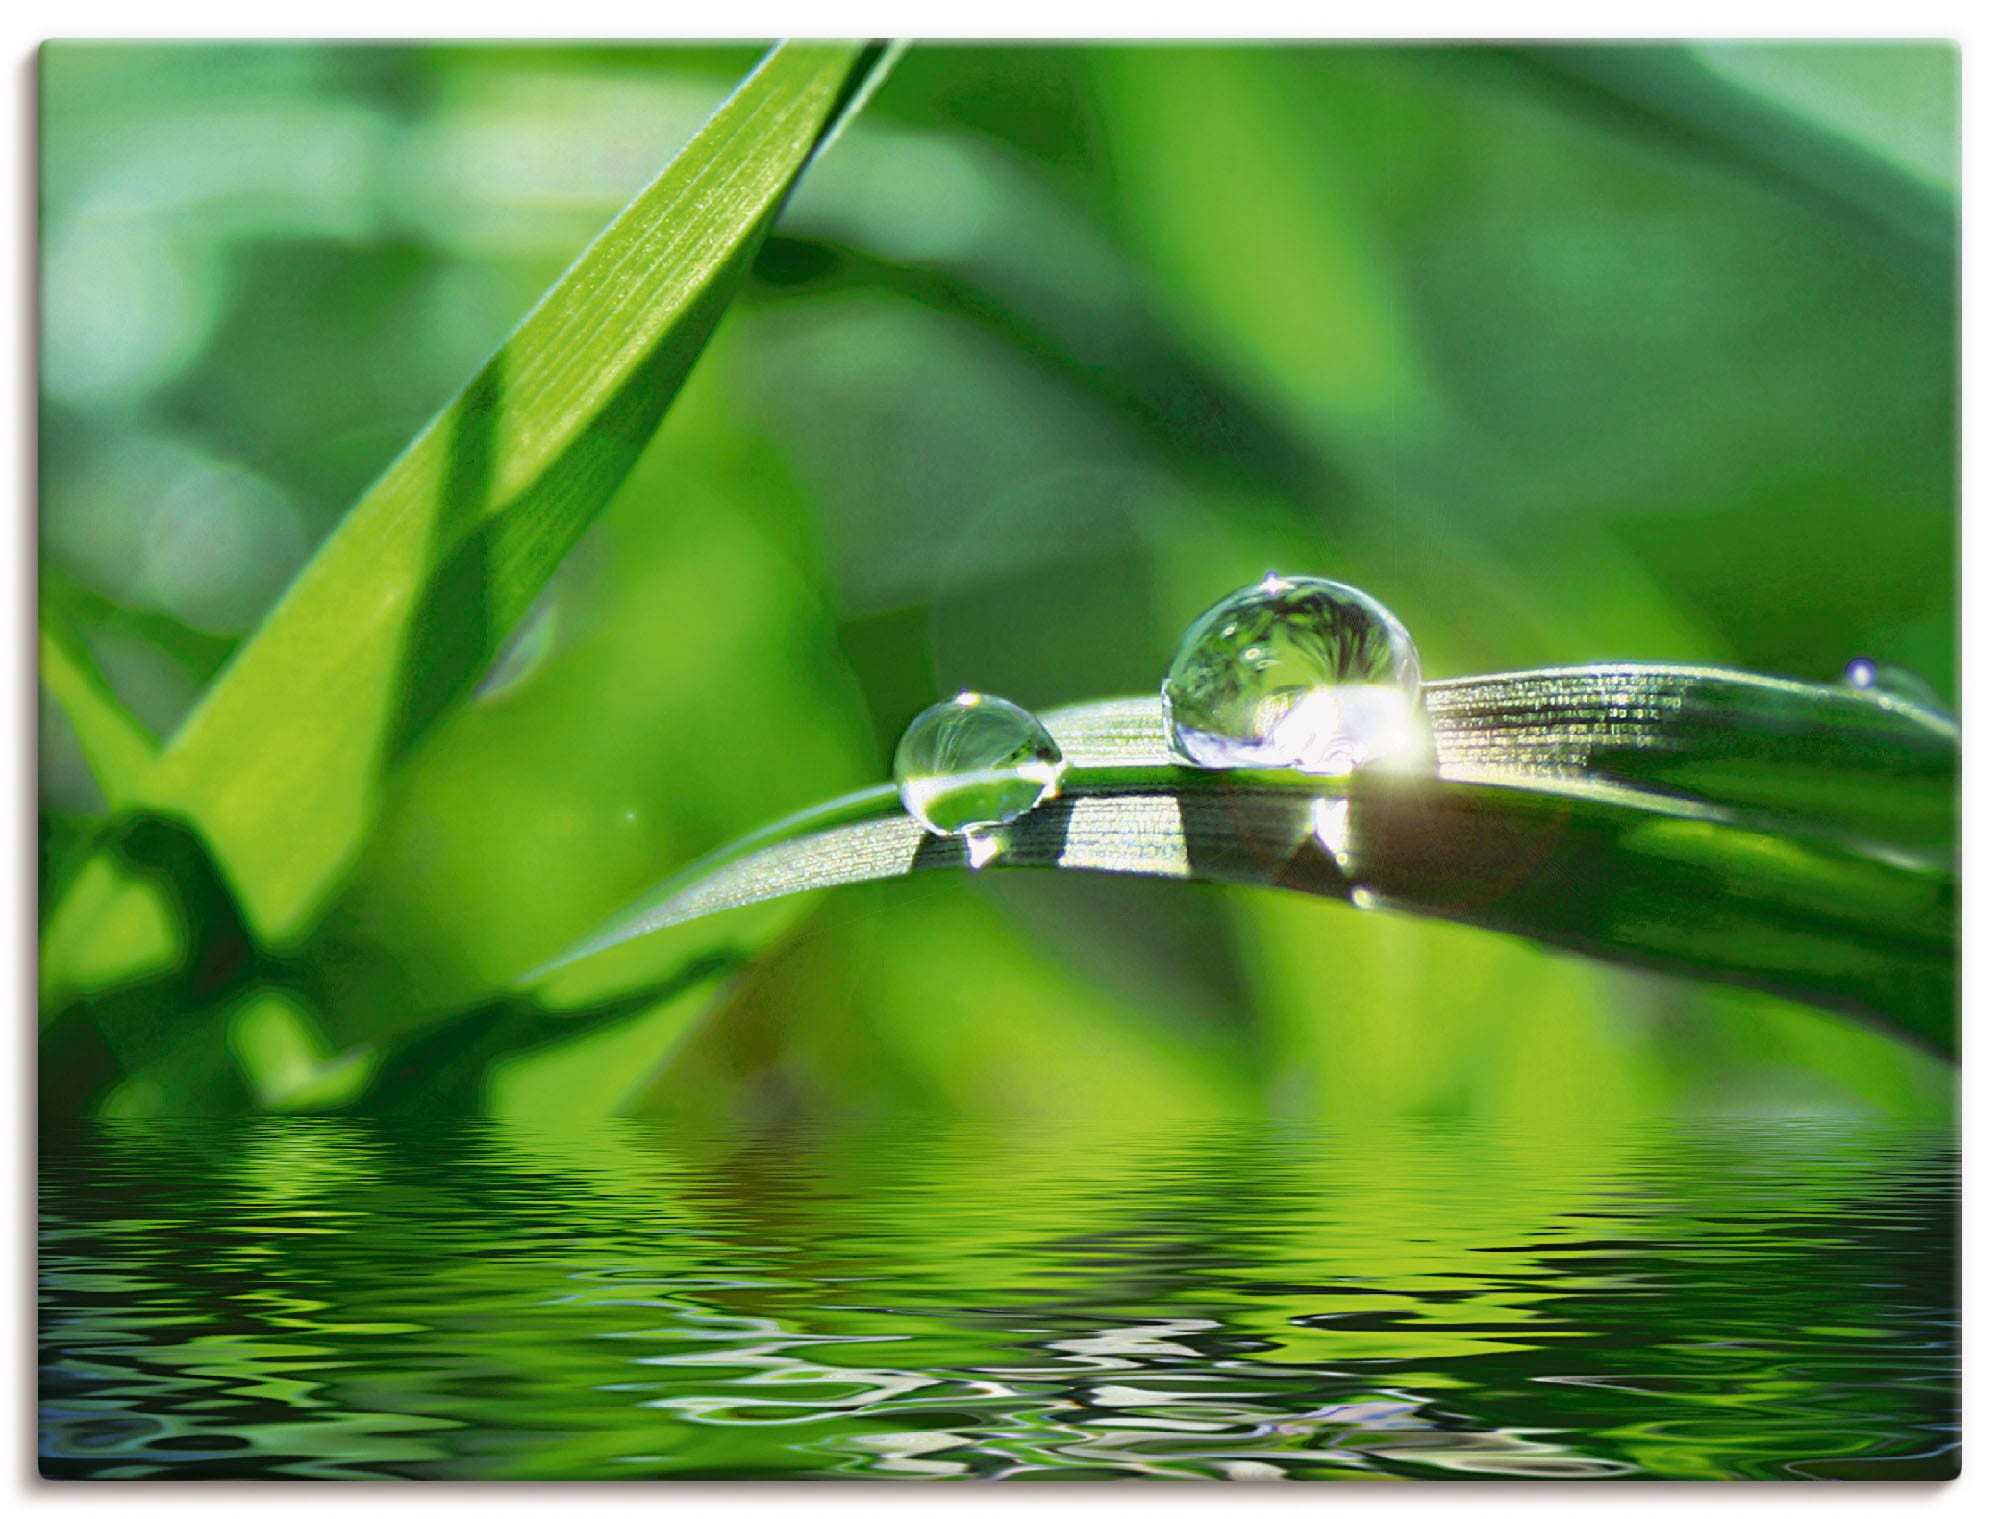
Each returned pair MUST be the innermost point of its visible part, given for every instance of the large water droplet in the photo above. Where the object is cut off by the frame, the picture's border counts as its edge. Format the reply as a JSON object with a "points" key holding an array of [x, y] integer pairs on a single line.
{"points": [[975, 762], [1300, 674]]}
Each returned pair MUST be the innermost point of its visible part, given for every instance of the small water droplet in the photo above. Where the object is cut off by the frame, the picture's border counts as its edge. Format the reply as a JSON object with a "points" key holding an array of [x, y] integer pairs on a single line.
{"points": [[1296, 673], [976, 762], [1865, 674]]}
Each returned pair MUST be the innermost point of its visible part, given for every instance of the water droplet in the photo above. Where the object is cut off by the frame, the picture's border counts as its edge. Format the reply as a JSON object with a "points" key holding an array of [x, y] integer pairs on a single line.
{"points": [[976, 762], [1296, 673], [1864, 674]]}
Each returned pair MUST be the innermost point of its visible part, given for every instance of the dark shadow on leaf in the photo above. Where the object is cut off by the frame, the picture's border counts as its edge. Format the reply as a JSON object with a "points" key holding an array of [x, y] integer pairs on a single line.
{"points": [[480, 585], [452, 631], [99, 1039], [442, 1070]]}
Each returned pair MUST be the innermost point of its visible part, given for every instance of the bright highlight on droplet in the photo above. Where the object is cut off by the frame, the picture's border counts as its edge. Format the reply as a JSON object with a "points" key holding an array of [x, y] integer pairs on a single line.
{"points": [[1865, 675], [976, 762], [1329, 819], [1296, 673]]}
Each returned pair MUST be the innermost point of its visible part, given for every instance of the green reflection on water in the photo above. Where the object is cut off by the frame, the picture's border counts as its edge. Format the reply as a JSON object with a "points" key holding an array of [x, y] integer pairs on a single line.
{"points": [[318, 1297]]}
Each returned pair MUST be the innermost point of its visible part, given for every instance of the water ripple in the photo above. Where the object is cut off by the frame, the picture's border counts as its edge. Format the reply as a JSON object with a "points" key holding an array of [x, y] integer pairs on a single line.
{"points": [[327, 1298]]}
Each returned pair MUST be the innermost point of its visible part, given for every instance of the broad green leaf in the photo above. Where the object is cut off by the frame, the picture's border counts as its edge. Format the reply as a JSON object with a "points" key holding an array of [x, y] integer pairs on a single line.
{"points": [[281, 767], [116, 744], [1795, 838]]}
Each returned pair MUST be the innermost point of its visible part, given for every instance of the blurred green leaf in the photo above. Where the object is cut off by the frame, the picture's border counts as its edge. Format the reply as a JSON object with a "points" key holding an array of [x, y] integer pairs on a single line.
{"points": [[1899, 101], [1795, 838], [116, 744], [281, 766], [1730, 103]]}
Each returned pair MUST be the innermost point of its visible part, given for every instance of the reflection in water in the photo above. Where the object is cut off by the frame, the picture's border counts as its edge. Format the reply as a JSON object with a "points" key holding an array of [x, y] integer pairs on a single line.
{"points": [[324, 1298]]}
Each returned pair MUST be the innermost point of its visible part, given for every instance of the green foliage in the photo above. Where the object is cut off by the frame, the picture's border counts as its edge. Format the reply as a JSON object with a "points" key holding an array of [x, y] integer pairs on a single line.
{"points": [[282, 766], [1566, 357], [116, 745]]}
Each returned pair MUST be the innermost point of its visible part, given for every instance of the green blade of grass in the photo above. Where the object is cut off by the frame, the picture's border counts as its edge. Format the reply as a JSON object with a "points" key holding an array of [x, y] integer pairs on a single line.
{"points": [[281, 766], [1795, 838], [116, 745]]}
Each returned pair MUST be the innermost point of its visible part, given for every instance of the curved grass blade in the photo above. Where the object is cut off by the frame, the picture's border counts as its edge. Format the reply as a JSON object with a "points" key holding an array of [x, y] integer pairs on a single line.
{"points": [[281, 765], [1795, 838], [1803, 755]]}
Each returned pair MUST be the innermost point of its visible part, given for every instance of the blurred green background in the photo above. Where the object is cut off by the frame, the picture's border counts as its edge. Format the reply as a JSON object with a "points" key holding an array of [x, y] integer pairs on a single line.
{"points": [[1565, 354]]}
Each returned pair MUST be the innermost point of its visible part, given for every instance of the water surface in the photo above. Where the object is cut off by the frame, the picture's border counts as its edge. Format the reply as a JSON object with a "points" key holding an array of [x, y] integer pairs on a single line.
{"points": [[330, 1298]]}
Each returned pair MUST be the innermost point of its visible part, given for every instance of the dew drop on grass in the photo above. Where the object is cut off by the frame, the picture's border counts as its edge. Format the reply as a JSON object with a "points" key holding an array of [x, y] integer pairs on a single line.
{"points": [[1866, 675], [1296, 673], [976, 762]]}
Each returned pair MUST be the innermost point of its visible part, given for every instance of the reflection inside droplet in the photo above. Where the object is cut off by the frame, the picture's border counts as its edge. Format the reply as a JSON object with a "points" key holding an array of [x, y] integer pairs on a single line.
{"points": [[1296, 673], [976, 762], [1329, 818]]}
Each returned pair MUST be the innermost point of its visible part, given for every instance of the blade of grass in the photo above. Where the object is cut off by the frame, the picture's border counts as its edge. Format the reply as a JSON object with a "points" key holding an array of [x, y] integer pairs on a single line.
{"points": [[116, 745], [281, 765], [1802, 754], [1717, 825]]}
